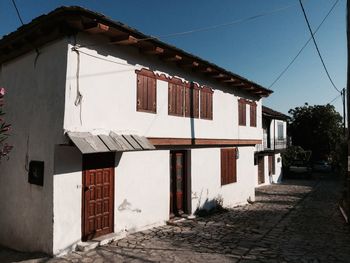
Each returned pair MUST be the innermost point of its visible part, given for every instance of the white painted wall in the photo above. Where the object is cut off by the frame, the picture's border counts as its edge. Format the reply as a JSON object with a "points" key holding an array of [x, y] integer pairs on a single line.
{"points": [[206, 178], [67, 198], [274, 130], [107, 81], [142, 185], [35, 107]]}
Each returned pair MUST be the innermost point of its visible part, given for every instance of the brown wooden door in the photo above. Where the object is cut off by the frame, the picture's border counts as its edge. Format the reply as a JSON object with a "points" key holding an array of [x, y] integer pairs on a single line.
{"points": [[261, 172], [270, 164], [178, 183], [98, 195]]}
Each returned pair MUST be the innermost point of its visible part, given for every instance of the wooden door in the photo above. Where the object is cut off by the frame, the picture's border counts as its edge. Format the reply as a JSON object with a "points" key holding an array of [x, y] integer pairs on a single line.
{"points": [[98, 195], [270, 164], [261, 172], [178, 183]]}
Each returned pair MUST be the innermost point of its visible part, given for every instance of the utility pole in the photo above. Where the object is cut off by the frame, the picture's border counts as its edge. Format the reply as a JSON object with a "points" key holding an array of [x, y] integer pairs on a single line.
{"points": [[343, 93], [348, 100]]}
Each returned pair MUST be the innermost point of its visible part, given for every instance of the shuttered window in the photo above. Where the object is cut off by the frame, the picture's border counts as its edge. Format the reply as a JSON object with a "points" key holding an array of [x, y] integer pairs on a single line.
{"points": [[228, 166], [206, 103], [192, 101], [253, 115], [176, 99], [241, 112], [146, 93]]}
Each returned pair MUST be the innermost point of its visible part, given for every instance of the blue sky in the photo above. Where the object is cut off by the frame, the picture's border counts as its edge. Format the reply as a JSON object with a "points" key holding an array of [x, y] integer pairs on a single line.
{"points": [[258, 49]]}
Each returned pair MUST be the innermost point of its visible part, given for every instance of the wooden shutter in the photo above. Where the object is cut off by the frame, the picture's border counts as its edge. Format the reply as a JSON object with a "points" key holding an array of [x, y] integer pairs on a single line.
{"points": [[228, 166], [146, 94], [253, 115], [273, 168], [176, 99], [241, 113], [192, 101], [206, 104]]}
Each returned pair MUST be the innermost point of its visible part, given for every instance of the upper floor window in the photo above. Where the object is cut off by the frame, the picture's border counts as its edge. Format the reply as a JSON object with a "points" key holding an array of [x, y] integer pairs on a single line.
{"points": [[253, 114], [176, 99], [192, 101], [206, 103], [242, 112], [228, 166], [280, 131], [146, 92]]}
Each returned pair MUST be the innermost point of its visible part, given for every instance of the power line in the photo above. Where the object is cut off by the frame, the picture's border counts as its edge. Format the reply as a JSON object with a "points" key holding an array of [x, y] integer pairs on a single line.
{"points": [[17, 11], [333, 100], [208, 28], [318, 51], [301, 50], [221, 25]]}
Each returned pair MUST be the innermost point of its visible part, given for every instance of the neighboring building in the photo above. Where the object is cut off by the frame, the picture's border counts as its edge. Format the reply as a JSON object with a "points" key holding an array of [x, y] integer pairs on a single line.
{"points": [[115, 131], [268, 154]]}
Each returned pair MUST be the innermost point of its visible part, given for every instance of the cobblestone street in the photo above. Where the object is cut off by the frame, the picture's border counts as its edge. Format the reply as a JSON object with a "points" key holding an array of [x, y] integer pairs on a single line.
{"points": [[298, 221]]}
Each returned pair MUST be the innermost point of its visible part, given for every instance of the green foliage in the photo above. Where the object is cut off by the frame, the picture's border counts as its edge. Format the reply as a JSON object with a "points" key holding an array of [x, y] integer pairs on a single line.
{"points": [[317, 128], [295, 153]]}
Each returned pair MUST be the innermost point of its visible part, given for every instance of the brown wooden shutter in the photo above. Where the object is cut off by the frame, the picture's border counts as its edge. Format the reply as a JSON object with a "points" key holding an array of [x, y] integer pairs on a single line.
{"points": [[242, 113], [146, 94], [273, 164], [270, 164], [176, 99], [139, 101], [253, 115], [191, 102], [206, 104], [228, 166]]}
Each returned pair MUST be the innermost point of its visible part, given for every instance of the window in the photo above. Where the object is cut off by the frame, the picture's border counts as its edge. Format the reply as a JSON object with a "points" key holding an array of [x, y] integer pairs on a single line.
{"points": [[280, 130], [228, 166], [146, 92], [252, 114], [206, 103], [176, 99], [241, 112], [192, 101]]}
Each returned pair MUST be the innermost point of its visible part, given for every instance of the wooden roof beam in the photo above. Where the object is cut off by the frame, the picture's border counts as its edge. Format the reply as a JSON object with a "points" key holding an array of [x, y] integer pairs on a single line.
{"points": [[219, 76], [95, 28], [188, 64], [230, 80], [152, 50], [206, 70], [124, 40], [172, 57]]}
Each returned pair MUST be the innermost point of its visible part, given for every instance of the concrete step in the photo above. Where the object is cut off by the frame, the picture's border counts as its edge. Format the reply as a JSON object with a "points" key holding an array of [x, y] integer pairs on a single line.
{"points": [[99, 241]]}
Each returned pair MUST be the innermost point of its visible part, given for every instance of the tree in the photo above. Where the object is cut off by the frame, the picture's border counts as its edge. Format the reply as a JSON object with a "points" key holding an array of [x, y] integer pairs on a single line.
{"points": [[4, 129], [317, 128]]}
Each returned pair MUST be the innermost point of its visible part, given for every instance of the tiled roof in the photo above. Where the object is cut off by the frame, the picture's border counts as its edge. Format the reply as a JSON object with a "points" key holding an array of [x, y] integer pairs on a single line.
{"points": [[71, 20]]}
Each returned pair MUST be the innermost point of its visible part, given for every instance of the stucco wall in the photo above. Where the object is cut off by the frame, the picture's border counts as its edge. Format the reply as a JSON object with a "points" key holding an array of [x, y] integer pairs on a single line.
{"points": [[107, 82], [34, 107], [142, 184], [206, 178], [67, 198]]}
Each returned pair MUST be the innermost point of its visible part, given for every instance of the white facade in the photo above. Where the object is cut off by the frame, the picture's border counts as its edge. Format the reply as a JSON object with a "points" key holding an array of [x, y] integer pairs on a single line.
{"points": [[42, 106], [274, 142]]}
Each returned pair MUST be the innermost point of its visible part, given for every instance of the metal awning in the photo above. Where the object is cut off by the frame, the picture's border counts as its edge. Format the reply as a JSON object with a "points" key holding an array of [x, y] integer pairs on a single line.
{"points": [[89, 143]]}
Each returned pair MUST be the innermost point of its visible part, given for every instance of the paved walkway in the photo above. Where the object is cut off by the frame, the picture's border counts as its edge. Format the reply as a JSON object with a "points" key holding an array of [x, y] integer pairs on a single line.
{"points": [[294, 222]]}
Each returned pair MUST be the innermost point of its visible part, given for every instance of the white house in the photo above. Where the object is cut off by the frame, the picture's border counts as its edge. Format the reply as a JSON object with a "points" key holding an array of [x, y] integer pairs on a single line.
{"points": [[115, 131], [268, 154]]}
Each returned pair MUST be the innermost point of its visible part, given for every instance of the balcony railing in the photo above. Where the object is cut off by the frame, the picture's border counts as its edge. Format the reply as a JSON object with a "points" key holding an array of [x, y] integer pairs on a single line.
{"points": [[278, 144]]}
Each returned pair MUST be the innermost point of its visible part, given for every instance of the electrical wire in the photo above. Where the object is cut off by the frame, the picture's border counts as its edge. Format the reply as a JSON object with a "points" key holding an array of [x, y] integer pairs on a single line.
{"points": [[208, 28], [304, 46], [333, 100], [318, 51], [17, 11]]}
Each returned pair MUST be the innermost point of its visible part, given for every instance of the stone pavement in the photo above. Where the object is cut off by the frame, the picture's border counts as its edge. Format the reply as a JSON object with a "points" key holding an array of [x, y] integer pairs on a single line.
{"points": [[297, 221]]}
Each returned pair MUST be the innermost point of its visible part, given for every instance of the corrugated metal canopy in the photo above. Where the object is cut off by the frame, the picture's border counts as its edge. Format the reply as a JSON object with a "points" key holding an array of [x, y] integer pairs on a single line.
{"points": [[89, 143]]}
